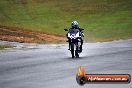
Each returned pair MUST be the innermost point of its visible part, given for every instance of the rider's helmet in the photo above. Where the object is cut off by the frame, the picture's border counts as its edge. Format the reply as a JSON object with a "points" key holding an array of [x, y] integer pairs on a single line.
{"points": [[74, 25]]}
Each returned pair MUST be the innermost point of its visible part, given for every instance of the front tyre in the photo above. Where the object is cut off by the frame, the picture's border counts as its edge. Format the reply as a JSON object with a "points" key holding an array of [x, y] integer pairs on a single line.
{"points": [[72, 49], [76, 52]]}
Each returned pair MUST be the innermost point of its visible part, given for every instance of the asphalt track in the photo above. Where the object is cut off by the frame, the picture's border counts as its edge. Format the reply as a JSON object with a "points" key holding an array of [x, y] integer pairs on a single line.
{"points": [[51, 66]]}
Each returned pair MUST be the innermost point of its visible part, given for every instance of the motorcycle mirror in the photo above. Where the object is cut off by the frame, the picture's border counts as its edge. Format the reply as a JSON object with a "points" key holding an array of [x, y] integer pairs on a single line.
{"points": [[66, 29]]}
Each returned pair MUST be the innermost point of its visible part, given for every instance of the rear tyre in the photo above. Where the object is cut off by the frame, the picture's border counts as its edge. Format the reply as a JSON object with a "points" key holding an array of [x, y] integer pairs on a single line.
{"points": [[72, 49]]}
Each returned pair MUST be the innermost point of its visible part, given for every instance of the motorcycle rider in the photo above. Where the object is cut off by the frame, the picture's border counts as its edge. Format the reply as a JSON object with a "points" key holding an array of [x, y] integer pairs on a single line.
{"points": [[75, 26]]}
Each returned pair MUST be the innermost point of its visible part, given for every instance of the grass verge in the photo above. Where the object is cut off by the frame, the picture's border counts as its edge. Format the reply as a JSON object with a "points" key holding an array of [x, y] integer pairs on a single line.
{"points": [[5, 46], [103, 20]]}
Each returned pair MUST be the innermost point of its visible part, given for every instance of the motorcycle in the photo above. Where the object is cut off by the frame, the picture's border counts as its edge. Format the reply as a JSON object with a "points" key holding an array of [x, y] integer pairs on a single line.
{"points": [[74, 36]]}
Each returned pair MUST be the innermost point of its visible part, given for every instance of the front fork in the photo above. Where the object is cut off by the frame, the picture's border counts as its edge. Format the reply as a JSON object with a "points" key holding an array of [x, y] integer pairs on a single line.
{"points": [[78, 45]]}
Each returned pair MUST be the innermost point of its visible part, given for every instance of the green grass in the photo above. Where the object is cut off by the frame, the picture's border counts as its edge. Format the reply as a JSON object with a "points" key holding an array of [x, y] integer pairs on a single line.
{"points": [[101, 19], [5, 46]]}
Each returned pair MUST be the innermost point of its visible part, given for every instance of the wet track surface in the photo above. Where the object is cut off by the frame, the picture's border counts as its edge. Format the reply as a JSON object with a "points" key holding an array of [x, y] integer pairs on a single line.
{"points": [[51, 66]]}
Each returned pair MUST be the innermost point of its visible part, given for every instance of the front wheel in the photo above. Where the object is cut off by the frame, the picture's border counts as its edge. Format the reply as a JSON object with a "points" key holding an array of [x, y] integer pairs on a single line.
{"points": [[76, 52], [72, 49]]}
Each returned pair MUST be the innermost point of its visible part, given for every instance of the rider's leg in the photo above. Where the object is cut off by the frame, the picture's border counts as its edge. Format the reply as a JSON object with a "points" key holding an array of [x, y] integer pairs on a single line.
{"points": [[81, 45], [69, 44]]}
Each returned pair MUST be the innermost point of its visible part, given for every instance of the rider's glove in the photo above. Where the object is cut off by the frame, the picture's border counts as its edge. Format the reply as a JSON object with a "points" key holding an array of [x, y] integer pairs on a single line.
{"points": [[82, 34]]}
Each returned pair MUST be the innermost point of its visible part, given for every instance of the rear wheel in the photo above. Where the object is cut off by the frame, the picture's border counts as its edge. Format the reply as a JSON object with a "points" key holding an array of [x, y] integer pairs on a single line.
{"points": [[72, 49]]}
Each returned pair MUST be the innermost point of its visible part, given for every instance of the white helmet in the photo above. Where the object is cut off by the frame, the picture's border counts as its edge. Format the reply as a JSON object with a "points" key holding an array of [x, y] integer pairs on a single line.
{"points": [[74, 24]]}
